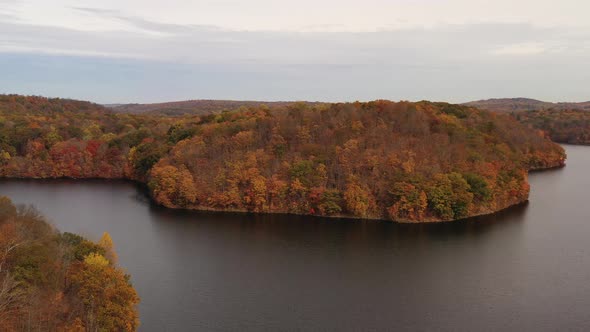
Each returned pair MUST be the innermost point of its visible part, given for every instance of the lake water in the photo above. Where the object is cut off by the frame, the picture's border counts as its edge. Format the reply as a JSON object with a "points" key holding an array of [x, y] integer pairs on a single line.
{"points": [[524, 269]]}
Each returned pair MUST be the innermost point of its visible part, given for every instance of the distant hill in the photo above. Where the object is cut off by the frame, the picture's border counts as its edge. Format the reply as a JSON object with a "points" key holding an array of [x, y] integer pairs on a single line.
{"points": [[40, 105], [525, 104], [195, 107], [205, 106], [562, 122], [562, 126]]}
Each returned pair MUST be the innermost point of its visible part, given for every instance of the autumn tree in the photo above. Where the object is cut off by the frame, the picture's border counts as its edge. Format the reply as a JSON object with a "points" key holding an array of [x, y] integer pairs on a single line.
{"points": [[107, 298], [106, 242]]}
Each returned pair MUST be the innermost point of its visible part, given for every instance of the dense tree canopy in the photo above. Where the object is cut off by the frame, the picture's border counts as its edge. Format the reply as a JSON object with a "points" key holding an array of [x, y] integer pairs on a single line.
{"points": [[400, 161], [42, 137], [51, 281], [562, 122], [563, 126]]}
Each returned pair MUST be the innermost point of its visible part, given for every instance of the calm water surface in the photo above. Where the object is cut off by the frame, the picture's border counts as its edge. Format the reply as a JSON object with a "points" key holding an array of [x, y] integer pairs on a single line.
{"points": [[525, 269]]}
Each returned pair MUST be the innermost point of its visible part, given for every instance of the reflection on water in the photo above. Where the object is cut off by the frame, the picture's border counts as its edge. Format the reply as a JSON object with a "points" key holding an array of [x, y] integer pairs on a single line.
{"points": [[524, 268]]}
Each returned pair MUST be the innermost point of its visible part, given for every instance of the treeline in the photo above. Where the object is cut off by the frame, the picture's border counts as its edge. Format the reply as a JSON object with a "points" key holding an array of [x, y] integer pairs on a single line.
{"points": [[52, 281], [399, 161], [525, 104], [196, 107], [563, 126]]}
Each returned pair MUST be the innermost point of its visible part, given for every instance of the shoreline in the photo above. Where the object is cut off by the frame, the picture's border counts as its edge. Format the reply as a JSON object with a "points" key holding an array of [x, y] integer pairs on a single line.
{"points": [[143, 188]]}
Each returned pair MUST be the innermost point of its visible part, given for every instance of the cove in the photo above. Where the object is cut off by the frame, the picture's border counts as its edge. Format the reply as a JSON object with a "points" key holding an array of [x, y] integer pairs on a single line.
{"points": [[524, 268]]}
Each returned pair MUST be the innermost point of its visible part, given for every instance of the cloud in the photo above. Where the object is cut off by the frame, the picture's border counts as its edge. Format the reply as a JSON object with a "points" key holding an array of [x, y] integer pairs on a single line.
{"points": [[147, 60], [143, 25], [97, 11], [521, 49], [441, 45]]}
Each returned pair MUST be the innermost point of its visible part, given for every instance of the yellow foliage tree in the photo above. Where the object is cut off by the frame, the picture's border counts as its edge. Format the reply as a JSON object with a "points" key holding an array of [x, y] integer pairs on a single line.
{"points": [[107, 297], [358, 200], [173, 186], [107, 243]]}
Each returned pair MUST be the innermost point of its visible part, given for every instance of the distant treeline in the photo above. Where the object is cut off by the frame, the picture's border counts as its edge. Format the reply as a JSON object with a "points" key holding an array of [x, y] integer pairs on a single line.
{"points": [[196, 107], [525, 104], [562, 122], [563, 126]]}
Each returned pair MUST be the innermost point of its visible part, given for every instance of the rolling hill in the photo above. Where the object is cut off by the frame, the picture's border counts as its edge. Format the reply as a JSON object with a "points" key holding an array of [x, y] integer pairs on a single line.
{"points": [[525, 104], [195, 107]]}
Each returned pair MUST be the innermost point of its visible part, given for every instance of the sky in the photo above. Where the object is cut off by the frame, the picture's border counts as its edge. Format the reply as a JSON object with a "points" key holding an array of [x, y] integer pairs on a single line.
{"points": [[319, 50]]}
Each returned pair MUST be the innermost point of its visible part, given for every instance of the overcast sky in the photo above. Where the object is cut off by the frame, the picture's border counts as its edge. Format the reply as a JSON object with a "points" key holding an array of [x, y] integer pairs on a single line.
{"points": [[329, 50]]}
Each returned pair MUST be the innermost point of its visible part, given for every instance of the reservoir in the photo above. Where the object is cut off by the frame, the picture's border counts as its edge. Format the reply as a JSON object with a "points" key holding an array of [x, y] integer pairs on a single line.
{"points": [[527, 268]]}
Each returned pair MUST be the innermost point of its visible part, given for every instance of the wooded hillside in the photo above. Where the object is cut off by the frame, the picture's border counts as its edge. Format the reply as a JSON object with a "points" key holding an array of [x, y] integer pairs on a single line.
{"points": [[563, 126], [398, 161], [562, 122], [525, 104], [195, 107]]}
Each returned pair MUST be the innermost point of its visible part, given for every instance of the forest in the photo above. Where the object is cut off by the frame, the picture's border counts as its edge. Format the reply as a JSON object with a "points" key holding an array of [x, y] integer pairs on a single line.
{"points": [[52, 281], [563, 126], [526, 104], [562, 122], [195, 107], [403, 161]]}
